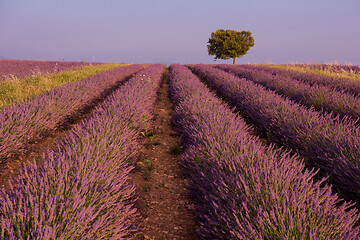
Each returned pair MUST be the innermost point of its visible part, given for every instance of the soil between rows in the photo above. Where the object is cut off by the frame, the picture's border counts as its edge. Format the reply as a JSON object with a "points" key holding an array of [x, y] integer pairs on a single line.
{"points": [[164, 204]]}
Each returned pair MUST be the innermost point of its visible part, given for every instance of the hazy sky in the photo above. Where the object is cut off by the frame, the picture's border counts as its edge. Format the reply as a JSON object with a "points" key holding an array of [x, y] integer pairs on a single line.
{"points": [[177, 31]]}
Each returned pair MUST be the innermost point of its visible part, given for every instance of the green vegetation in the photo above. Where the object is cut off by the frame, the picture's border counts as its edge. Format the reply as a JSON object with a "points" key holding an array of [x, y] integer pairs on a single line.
{"points": [[147, 167], [18, 90], [147, 188], [176, 150], [226, 44], [146, 121], [151, 141]]}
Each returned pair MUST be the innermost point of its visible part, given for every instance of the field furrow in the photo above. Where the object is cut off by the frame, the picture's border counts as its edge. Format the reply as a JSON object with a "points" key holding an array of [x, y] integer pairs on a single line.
{"points": [[164, 202]]}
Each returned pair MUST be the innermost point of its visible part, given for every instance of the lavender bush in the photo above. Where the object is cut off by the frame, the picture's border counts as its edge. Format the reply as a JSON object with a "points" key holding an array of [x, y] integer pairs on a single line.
{"points": [[325, 142], [25, 68], [81, 190], [28, 121], [318, 96], [241, 189]]}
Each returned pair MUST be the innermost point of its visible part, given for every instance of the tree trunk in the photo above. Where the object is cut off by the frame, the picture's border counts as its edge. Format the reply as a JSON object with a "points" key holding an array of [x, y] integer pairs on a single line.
{"points": [[234, 61]]}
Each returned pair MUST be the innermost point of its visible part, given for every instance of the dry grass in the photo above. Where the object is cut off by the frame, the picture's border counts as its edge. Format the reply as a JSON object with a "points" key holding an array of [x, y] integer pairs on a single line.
{"points": [[14, 90], [328, 72]]}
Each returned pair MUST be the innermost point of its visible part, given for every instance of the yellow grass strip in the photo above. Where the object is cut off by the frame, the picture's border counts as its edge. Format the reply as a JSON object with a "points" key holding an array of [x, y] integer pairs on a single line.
{"points": [[327, 72], [13, 90]]}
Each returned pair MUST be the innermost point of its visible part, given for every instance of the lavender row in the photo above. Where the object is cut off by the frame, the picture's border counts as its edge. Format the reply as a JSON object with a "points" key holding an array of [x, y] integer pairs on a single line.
{"points": [[318, 96], [339, 84], [30, 120], [25, 68], [325, 142], [81, 190], [241, 189]]}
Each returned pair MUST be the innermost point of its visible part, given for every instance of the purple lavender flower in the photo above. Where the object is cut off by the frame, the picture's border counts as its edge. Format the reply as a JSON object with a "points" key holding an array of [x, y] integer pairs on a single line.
{"points": [[25, 68], [80, 190], [30, 120], [340, 84], [325, 142], [242, 189], [318, 96]]}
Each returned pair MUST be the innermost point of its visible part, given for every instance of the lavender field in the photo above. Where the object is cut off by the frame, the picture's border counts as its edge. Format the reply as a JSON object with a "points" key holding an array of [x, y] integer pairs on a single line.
{"points": [[268, 151], [23, 68]]}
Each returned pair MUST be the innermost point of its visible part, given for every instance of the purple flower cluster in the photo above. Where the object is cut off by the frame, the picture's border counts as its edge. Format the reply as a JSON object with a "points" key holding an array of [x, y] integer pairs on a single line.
{"points": [[29, 120], [25, 68], [318, 96], [243, 190], [81, 189], [340, 84], [325, 142]]}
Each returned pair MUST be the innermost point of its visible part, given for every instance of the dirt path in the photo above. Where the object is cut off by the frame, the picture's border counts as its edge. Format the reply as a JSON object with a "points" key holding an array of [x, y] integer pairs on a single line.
{"points": [[164, 205]]}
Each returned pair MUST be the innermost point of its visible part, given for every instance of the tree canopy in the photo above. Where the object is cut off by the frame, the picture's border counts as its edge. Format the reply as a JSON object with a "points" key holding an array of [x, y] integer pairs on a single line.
{"points": [[226, 44]]}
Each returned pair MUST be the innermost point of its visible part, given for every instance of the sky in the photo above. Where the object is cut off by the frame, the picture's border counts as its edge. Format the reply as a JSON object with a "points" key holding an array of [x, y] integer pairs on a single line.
{"points": [[177, 31]]}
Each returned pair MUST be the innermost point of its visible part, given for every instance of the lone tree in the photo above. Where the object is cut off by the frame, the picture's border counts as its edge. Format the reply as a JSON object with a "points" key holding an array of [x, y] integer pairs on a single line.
{"points": [[226, 44]]}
